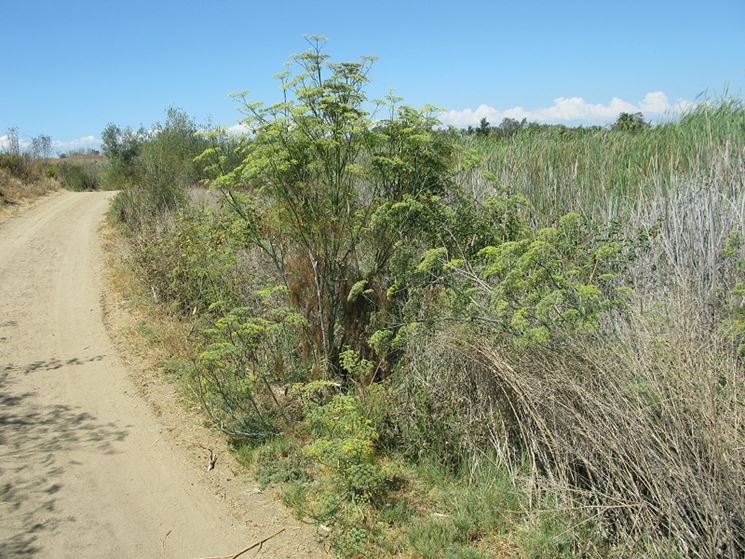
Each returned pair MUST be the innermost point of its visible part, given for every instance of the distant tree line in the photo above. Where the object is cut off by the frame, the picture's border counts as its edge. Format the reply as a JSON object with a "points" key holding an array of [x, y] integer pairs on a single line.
{"points": [[628, 122]]}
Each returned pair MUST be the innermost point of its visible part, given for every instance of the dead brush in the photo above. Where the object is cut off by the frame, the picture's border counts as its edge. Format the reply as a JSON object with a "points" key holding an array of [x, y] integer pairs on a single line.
{"points": [[688, 228], [646, 430], [13, 189]]}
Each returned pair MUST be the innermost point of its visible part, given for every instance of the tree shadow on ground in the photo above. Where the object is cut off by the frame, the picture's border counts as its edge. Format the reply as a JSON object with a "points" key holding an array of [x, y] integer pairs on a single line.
{"points": [[51, 364], [32, 437]]}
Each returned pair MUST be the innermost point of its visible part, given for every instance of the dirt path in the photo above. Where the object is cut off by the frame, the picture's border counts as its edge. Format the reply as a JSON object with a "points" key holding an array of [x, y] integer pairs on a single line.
{"points": [[85, 468]]}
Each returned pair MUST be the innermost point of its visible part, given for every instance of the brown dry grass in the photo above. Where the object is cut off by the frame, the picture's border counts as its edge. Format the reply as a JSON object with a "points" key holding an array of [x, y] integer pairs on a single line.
{"points": [[16, 195], [14, 190], [645, 431]]}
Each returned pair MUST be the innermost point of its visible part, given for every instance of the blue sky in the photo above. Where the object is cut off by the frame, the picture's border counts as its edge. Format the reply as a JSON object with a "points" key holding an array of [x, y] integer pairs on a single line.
{"points": [[71, 67]]}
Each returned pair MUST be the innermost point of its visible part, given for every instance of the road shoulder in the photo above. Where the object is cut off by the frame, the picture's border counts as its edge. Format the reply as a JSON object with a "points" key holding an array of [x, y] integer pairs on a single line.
{"points": [[183, 425]]}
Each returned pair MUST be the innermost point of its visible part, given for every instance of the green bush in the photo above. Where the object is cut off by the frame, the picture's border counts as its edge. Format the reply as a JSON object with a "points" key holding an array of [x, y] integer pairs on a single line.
{"points": [[152, 169], [313, 185], [348, 480], [239, 373], [563, 278], [343, 442], [188, 260], [77, 177]]}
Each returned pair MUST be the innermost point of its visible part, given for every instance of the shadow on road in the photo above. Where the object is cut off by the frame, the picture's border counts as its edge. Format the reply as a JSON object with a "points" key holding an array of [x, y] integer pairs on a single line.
{"points": [[51, 364], [33, 438]]}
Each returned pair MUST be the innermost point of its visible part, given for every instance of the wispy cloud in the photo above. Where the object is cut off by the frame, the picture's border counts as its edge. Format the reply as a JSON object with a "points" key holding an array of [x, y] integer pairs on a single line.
{"points": [[569, 109]]}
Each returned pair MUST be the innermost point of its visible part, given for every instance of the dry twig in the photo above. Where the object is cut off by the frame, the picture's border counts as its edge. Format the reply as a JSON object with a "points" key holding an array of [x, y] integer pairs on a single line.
{"points": [[258, 544]]}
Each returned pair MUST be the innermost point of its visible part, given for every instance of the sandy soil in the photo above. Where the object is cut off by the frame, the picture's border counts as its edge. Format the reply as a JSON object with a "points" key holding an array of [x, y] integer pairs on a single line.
{"points": [[92, 462]]}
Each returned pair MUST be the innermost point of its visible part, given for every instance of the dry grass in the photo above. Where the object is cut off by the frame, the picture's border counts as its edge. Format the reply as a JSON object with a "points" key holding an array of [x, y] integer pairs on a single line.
{"points": [[642, 427], [167, 339], [691, 225], [645, 431], [14, 190]]}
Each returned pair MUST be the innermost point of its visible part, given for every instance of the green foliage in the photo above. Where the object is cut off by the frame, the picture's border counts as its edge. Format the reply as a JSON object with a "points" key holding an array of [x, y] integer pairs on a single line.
{"points": [[347, 254], [559, 278], [432, 258], [506, 129], [553, 537], [121, 148], [152, 169], [167, 159], [357, 368], [313, 188], [239, 372], [356, 290], [630, 122], [343, 443], [483, 510], [281, 462], [77, 177], [192, 263], [302, 166], [334, 474], [431, 540]]}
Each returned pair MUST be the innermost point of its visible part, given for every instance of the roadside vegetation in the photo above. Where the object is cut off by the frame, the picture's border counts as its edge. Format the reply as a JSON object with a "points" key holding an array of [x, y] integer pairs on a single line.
{"points": [[32, 172], [515, 341]]}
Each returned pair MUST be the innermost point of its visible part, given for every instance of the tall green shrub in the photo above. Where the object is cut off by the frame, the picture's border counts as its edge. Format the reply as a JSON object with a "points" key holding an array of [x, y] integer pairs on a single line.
{"points": [[313, 177], [154, 168]]}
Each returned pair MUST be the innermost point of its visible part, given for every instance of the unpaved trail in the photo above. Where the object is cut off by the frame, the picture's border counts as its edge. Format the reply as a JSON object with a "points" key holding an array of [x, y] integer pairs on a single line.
{"points": [[84, 469]]}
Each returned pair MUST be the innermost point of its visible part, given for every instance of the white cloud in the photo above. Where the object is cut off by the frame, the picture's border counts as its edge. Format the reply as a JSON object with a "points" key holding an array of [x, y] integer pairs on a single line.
{"points": [[83, 142], [240, 129], [569, 109]]}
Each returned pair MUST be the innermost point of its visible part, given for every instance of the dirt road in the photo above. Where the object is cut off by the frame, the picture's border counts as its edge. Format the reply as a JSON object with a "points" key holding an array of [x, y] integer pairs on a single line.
{"points": [[84, 469]]}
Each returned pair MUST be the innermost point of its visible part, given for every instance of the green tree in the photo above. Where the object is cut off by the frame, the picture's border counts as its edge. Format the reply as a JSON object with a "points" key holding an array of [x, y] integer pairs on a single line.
{"points": [[152, 168], [121, 148], [319, 178], [484, 127], [630, 122], [510, 126]]}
